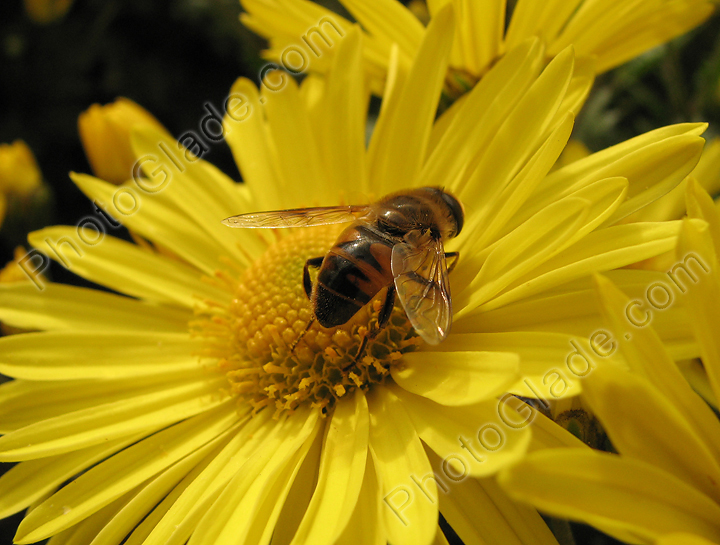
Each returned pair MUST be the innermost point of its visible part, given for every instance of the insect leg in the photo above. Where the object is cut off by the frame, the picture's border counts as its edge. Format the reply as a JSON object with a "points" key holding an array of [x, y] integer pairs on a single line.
{"points": [[299, 337], [383, 318], [387, 308], [307, 283], [455, 257]]}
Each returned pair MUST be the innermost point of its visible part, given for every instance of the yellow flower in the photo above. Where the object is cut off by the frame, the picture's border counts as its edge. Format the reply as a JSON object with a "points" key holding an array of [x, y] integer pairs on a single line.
{"points": [[22, 192], [303, 35], [105, 134], [47, 11], [666, 478], [180, 412], [19, 172]]}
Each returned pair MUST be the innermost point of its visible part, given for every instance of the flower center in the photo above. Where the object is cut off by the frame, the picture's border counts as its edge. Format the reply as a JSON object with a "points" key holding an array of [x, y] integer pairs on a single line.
{"points": [[268, 353]]}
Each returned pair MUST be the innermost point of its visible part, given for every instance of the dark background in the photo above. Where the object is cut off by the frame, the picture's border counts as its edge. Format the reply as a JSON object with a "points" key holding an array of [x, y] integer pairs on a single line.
{"points": [[174, 56]]}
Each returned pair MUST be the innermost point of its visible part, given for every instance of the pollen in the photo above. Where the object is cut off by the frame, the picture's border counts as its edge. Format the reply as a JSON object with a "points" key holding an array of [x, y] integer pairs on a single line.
{"points": [[262, 343]]}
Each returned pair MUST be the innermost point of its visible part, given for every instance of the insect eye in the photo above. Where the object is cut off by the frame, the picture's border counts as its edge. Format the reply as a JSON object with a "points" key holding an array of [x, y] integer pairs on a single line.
{"points": [[456, 209]]}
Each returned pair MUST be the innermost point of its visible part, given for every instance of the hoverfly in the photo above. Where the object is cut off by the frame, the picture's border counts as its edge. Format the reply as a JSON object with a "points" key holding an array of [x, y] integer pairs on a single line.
{"points": [[396, 242]]}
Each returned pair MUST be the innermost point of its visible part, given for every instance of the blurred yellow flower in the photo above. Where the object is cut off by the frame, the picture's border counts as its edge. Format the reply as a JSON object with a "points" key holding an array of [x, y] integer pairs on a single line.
{"points": [[47, 11], [105, 134], [605, 33], [19, 172], [179, 413], [22, 192]]}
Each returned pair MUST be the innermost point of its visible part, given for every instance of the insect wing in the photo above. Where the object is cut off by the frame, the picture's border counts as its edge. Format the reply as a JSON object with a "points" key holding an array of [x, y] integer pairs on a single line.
{"points": [[298, 217], [421, 281]]}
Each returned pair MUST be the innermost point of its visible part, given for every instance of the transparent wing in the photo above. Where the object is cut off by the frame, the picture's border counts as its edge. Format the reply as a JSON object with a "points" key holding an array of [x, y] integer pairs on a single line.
{"points": [[421, 281], [298, 217]]}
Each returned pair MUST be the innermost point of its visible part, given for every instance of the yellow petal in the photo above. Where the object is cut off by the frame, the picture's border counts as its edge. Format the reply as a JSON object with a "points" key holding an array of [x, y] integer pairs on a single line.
{"points": [[701, 205], [155, 221], [480, 32], [682, 538], [19, 484], [571, 309], [343, 118], [196, 188], [25, 402], [673, 205], [299, 496], [621, 496], [470, 504], [55, 355], [482, 110], [509, 149], [456, 377], [113, 420], [133, 511], [409, 514], [520, 251], [697, 378], [543, 19], [248, 506], [653, 163], [550, 363], [619, 31], [341, 476], [656, 434], [293, 134], [86, 530], [114, 477], [366, 525], [601, 250], [389, 22], [245, 130], [179, 517], [475, 440], [484, 228], [125, 267], [61, 308], [645, 354], [696, 246], [142, 530], [19, 171], [398, 147]]}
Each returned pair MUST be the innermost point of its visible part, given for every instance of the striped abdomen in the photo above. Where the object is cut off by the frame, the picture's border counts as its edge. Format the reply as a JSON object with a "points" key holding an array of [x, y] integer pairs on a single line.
{"points": [[352, 273]]}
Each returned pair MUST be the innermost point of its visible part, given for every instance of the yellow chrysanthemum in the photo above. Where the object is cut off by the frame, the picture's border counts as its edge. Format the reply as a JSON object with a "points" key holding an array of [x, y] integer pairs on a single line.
{"points": [[23, 195], [179, 413], [303, 35], [19, 172], [664, 486], [105, 135]]}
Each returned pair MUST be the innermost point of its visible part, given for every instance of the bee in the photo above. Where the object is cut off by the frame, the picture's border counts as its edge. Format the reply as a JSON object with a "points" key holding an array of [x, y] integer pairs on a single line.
{"points": [[394, 243]]}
